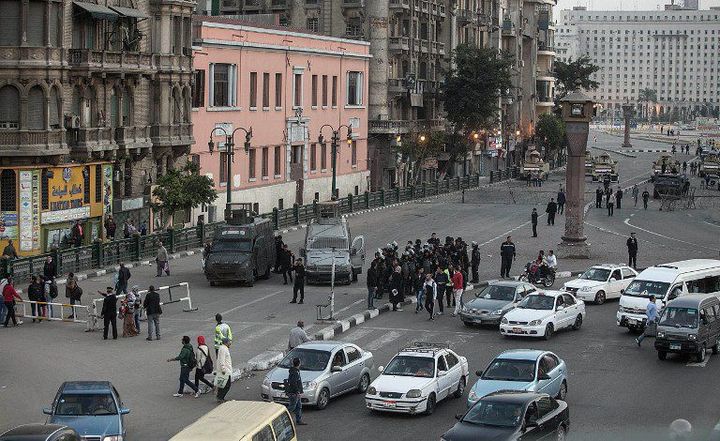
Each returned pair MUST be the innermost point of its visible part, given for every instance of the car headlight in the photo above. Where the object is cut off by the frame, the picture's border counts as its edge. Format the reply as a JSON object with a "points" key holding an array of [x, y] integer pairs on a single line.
{"points": [[498, 312], [586, 288], [661, 334], [504, 321], [267, 382], [371, 391], [113, 438], [309, 385], [692, 337], [414, 393], [535, 323]]}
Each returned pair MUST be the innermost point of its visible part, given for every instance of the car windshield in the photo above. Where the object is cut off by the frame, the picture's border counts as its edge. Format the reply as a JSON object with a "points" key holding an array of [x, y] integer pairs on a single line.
{"points": [[408, 366], [510, 370], [490, 413], [86, 404], [643, 288], [239, 245], [498, 292], [596, 274], [536, 301], [680, 317], [310, 359]]}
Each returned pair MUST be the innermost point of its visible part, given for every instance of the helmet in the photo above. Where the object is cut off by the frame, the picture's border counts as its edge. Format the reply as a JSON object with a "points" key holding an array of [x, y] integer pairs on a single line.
{"points": [[474, 243]]}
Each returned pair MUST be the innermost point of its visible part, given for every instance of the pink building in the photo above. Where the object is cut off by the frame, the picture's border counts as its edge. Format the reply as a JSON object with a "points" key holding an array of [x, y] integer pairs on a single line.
{"points": [[285, 85]]}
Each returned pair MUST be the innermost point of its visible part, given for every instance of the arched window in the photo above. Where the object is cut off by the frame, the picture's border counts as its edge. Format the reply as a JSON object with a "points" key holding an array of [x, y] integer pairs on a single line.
{"points": [[8, 190], [9, 107], [55, 109], [10, 22], [36, 109]]}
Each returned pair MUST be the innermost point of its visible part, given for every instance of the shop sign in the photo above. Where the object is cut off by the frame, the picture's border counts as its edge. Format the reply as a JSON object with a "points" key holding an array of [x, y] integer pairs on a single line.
{"points": [[8, 225], [52, 217], [66, 189], [26, 210], [107, 189], [36, 210]]}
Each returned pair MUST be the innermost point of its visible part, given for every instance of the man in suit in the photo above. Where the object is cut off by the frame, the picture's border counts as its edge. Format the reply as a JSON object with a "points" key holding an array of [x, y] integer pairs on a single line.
{"points": [[109, 312]]}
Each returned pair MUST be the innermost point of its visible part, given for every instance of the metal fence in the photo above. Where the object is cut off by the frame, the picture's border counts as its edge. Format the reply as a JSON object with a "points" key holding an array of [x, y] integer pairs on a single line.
{"points": [[103, 254]]}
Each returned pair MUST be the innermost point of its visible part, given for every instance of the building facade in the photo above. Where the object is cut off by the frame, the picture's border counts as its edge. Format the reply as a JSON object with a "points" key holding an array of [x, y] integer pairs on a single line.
{"points": [[675, 52], [289, 87], [94, 105]]}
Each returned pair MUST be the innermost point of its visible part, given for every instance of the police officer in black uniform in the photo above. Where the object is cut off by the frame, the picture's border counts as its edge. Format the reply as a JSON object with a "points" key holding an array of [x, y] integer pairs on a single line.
{"points": [[507, 253]]}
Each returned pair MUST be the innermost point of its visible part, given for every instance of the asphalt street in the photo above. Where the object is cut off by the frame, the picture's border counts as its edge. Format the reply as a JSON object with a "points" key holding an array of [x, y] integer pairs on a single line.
{"points": [[611, 378]]}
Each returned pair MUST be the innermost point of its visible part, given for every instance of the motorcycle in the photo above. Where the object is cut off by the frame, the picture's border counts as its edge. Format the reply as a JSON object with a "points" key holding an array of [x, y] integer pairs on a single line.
{"points": [[538, 276]]}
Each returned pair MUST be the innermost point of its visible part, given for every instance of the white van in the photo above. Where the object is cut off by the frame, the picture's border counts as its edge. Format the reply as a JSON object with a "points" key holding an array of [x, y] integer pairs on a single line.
{"points": [[666, 282]]}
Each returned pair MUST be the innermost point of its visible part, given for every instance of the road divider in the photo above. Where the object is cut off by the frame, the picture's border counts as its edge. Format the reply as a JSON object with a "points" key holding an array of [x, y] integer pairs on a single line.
{"points": [[49, 307]]}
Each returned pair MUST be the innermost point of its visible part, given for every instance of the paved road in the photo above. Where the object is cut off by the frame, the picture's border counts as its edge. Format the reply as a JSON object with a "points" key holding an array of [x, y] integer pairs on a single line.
{"points": [[44, 355]]}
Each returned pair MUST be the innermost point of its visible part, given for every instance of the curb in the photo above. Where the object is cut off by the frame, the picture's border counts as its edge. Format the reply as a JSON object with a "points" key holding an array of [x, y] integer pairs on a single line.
{"points": [[616, 151]]}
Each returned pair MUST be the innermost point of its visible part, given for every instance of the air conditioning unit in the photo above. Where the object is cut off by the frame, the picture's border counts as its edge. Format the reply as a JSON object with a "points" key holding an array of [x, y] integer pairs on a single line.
{"points": [[72, 122]]}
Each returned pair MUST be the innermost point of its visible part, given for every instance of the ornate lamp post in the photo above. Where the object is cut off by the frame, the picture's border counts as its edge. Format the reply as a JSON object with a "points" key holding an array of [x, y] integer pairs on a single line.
{"points": [[333, 150], [577, 110], [628, 112], [230, 149]]}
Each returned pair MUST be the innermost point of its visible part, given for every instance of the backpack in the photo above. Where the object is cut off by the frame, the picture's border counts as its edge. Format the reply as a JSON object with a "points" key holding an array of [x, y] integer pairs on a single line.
{"points": [[207, 367], [192, 362]]}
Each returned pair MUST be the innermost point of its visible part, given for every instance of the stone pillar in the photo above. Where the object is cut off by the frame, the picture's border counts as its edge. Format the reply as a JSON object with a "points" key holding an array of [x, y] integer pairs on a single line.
{"points": [[377, 11], [628, 111]]}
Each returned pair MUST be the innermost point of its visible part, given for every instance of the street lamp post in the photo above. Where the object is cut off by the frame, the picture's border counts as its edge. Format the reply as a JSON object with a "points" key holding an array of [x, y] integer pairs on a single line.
{"points": [[230, 148], [333, 150]]}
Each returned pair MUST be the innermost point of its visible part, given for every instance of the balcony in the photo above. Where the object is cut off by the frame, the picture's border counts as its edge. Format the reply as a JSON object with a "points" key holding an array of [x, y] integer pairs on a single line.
{"points": [[396, 85], [107, 61], [352, 3], [32, 142], [466, 16], [395, 126], [438, 48], [400, 4], [91, 139], [28, 57], [172, 63], [169, 135], [133, 137], [399, 43], [545, 49]]}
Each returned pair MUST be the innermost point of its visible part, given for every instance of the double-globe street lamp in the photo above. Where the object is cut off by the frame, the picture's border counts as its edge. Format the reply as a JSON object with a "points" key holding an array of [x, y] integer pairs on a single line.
{"points": [[333, 150], [230, 150]]}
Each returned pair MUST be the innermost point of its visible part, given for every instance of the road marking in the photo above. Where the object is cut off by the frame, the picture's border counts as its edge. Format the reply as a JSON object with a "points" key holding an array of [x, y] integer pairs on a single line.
{"points": [[701, 364], [382, 341], [350, 306], [357, 334], [627, 222], [711, 224], [259, 299], [258, 332]]}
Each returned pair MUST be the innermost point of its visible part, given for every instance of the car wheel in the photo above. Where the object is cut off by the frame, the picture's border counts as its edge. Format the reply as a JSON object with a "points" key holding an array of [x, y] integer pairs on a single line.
{"points": [[364, 384], [701, 355], [323, 399], [548, 331], [560, 434], [716, 346], [600, 298], [662, 355], [562, 393], [430, 407], [460, 389], [578, 322], [549, 280]]}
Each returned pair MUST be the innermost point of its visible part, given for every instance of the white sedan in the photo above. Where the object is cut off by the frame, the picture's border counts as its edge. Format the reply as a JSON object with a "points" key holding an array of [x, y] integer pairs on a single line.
{"points": [[417, 378], [601, 282], [542, 314]]}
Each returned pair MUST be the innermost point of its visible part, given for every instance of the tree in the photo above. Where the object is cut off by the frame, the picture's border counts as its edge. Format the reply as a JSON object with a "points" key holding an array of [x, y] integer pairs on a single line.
{"points": [[568, 74], [550, 130], [417, 147], [645, 97], [182, 190]]}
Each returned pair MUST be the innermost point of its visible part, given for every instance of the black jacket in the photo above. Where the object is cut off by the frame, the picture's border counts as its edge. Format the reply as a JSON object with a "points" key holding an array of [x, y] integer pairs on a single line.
{"points": [[36, 291], [109, 307], [632, 245], [561, 197], [294, 382], [534, 217], [123, 275], [299, 271], [507, 249], [49, 270], [551, 208], [152, 303], [476, 256], [372, 281]]}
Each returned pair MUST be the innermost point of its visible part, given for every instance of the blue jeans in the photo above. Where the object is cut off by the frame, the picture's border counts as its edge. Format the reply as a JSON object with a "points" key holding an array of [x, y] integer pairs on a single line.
{"points": [[370, 298], [136, 316], [295, 406], [185, 379], [419, 296]]}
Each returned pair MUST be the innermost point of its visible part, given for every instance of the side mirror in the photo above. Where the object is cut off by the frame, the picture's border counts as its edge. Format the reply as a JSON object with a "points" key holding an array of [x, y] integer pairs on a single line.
{"points": [[543, 377], [336, 369], [124, 411], [47, 411], [381, 369], [302, 252], [613, 279], [479, 373], [442, 373]]}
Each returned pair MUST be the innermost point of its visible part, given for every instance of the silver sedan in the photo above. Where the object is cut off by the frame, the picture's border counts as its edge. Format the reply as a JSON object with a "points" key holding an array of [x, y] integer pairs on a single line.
{"points": [[327, 369]]}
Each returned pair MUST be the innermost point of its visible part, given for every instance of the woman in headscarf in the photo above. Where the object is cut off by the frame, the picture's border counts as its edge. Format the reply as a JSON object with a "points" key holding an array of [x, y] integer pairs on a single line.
{"points": [[126, 311], [202, 355]]}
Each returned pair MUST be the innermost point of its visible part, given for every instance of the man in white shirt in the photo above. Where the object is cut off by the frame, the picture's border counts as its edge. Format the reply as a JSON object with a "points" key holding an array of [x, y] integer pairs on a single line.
{"points": [[551, 260], [297, 335]]}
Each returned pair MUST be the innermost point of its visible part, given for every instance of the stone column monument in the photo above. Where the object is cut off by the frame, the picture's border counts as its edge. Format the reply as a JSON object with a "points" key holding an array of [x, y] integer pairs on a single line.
{"points": [[628, 112], [577, 110]]}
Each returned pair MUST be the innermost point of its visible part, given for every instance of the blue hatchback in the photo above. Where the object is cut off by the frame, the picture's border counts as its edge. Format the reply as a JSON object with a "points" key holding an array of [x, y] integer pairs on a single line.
{"points": [[524, 370], [93, 408]]}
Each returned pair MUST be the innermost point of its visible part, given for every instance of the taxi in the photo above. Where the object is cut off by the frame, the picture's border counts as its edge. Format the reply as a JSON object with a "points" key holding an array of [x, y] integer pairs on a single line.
{"points": [[542, 314]]}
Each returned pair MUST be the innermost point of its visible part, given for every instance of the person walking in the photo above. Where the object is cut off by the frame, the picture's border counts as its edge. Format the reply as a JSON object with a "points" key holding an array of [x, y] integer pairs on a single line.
{"points": [[440, 283], [109, 312], [396, 289], [9, 295], [507, 254], [534, 221], [222, 331], [133, 298], [297, 336], [161, 260], [645, 198], [561, 201], [126, 312], [73, 292], [598, 197], [371, 282], [188, 362], [610, 203], [430, 294], [204, 365], [475, 262], [632, 247], [122, 280], [635, 194], [35, 294], [224, 369], [448, 285], [417, 280], [551, 209], [294, 390], [153, 310], [299, 283], [651, 313], [618, 198], [458, 288], [110, 227]]}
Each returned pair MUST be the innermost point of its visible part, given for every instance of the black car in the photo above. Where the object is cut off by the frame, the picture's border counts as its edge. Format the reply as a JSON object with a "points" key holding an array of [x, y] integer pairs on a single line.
{"points": [[41, 432], [511, 415]]}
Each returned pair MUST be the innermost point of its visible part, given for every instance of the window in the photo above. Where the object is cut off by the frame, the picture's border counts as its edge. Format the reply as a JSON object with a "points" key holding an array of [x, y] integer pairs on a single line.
{"points": [[198, 89], [266, 90], [36, 109], [324, 90], [86, 184], [8, 190], [264, 434], [277, 159], [297, 90], [9, 107], [352, 353], [253, 90], [616, 275], [98, 183], [313, 156], [354, 88], [278, 90], [353, 153], [548, 363], [314, 90], [36, 24], [283, 427], [265, 161], [334, 90], [223, 168], [313, 24], [628, 273], [251, 163], [323, 156], [339, 359], [222, 91], [10, 19], [441, 364], [451, 360], [545, 406]]}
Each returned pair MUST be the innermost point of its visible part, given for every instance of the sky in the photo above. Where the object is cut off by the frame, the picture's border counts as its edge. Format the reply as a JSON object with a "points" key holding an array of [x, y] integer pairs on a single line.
{"points": [[626, 5]]}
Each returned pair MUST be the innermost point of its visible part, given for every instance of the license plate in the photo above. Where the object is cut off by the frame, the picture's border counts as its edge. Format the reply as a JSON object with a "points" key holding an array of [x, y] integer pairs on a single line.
{"points": [[632, 322], [517, 331], [389, 403], [675, 347]]}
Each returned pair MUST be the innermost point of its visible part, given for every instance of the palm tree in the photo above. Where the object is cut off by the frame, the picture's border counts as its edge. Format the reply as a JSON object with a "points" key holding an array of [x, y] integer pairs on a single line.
{"points": [[647, 96]]}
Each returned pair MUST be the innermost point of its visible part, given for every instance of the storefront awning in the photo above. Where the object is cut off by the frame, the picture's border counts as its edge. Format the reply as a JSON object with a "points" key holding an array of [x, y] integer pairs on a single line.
{"points": [[129, 12], [98, 11]]}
